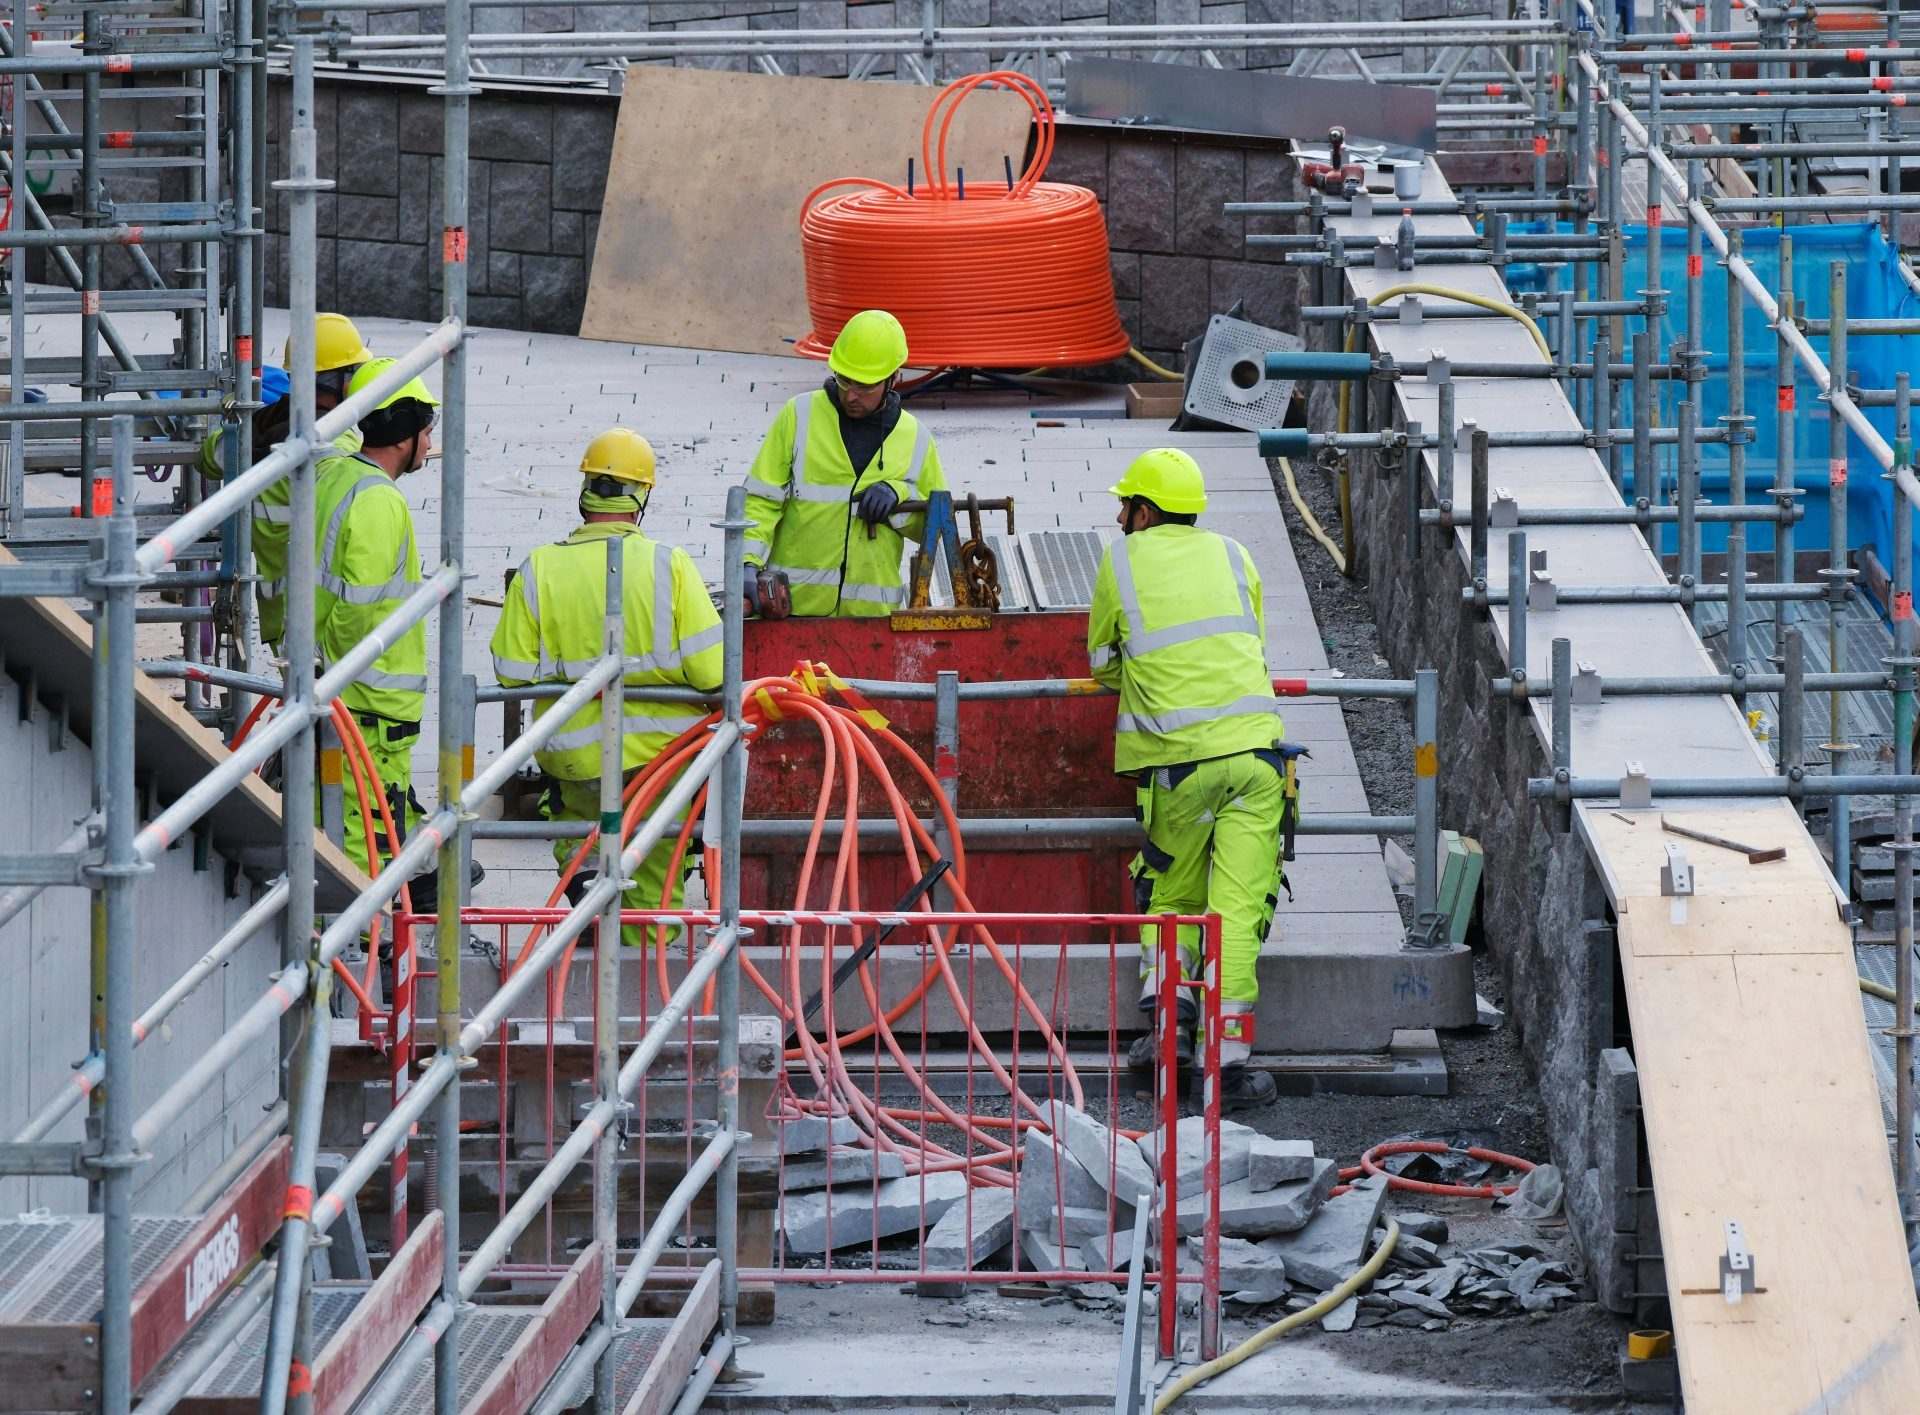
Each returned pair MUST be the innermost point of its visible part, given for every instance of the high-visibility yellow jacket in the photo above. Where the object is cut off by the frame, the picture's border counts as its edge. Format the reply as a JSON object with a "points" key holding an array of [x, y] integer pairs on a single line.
{"points": [[272, 511], [553, 625], [1177, 628], [801, 493], [369, 562]]}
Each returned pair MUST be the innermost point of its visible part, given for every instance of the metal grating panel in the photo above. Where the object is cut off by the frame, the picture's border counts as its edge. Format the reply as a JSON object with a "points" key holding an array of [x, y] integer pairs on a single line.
{"points": [[1061, 566], [1014, 594], [75, 1295], [236, 1371], [1229, 383], [633, 1353], [487, 1334], [31, 1248]]}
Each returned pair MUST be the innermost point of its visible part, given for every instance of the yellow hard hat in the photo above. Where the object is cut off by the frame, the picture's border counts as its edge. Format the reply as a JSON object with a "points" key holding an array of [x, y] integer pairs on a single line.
{"points": [[413, 388], [336, 345], [622, 454], [870, 348], [1167, 477]]}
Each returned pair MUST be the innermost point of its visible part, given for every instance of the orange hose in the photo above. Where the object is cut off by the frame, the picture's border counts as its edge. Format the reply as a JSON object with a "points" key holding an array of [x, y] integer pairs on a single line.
{"points": [[985, 274]]}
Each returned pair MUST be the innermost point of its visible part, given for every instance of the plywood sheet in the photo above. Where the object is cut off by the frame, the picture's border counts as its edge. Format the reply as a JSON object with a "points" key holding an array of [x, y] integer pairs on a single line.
{"points": [[1760, 1106], [699, 243]]}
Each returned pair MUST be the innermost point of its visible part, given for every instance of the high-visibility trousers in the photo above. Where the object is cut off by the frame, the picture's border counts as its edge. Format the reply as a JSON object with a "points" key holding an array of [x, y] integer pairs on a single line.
{"points": [[1213, 847], [580, 801], [393, 759]]}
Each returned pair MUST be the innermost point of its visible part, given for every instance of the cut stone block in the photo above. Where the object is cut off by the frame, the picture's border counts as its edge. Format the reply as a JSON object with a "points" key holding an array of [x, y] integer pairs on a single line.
{"points": [[861, 1216], [1099, 1259], [1042, 1256], [1431, 1227], [1114, 1161], [810, 1134], [845, 1167], [1243, 1266], [1324, 1253], [1271, 1163], [1341, 1318], [1247, 1214], [949, 1247], [1189, 1139], [1051, 1178]]}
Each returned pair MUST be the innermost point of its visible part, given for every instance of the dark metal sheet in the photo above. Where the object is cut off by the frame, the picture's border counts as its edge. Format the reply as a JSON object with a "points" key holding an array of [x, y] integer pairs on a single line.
{"points": [[1250, 104]]}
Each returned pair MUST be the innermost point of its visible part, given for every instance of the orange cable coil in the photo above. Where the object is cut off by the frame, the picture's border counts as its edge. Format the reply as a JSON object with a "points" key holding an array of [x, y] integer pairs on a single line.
{"points": [[996, 276]]}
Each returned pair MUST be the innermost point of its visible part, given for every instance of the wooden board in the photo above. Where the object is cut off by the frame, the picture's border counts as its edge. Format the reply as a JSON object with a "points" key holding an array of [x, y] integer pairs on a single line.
{"points": [[699, 243], [673, 1363], [56, 645], [1760, 1106]]}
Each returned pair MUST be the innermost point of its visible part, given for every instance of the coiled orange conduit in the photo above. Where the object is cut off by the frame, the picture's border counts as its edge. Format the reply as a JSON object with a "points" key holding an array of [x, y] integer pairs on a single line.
{"points": [[992, 276]]}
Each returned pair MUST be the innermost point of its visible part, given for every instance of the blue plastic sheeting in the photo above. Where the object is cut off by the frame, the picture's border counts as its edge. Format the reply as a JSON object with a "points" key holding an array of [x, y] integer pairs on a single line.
{"points": [[1875, 290]]}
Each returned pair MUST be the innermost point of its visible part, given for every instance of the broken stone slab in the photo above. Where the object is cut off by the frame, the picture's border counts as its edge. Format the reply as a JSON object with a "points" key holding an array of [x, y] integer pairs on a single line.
{"points": [[1324, 1253], [1114, 1161], [833, 1218], [950, 1247], [1275, 1162], [1243, 1265], [809, 1134], [1431, 1227], [1051, 1179], [1117, 1257], [1190, 1137], [1341, 1318], [1442, 1281], [1246, 1214], [1420, 1302], [843, 1167], [1411, 1251]]}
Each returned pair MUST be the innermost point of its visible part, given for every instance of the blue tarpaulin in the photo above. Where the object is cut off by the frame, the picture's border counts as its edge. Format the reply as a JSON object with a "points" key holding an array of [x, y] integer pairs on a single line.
{"points": [[1875, 290]]}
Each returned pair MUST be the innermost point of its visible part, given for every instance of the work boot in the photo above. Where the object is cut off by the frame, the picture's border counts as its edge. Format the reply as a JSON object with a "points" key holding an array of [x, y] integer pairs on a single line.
{"points": [[425, 887], [1243, 1088], [1144, 1055]]}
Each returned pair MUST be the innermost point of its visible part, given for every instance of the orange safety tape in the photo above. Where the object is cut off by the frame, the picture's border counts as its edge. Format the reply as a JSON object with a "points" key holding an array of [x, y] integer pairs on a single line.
{"points": [[299, 1202]]}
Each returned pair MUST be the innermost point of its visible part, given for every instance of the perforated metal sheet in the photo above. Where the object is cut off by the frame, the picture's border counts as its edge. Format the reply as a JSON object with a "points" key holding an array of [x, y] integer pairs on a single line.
{"points": [[1061, 566], [633, 1353], [486, 1336], [29, 1249], [1014, 594], [1228, 383], [236, 1371], [74, 1294]]}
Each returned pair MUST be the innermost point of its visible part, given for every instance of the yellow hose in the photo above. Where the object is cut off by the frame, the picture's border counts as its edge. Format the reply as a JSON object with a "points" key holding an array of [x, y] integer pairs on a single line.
{"points": [[1157, 370], [1883, 992], [1314, 528], [1485, 302], [1261, 1339]]}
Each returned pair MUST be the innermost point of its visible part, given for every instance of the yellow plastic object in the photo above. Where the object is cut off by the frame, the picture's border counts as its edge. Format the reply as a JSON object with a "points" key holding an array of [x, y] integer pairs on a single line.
{"points": [[1314, 528], [336, 344], [1261, 1339], [870, 347], [1167, 477], [1649, 1345], [620, 453], [1157, 370]]}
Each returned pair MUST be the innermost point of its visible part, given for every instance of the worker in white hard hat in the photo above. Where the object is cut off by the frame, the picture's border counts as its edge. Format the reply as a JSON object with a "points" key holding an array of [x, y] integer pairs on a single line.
{"points": [[823, 495], [552, 630]]}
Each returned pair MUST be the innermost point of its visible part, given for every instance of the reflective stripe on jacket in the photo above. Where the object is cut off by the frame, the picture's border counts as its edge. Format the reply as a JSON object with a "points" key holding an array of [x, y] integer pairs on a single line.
{"points": [[801, 493], [552, 629], [1177, 627], [368, 563], [272, 510]]}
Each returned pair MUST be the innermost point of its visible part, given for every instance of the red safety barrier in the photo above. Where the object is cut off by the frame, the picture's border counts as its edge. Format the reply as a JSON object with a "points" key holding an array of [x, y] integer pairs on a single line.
{"points": [[944, 1039]]}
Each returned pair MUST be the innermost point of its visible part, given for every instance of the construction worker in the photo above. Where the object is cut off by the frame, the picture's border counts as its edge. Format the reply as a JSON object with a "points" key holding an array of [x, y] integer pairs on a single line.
{"points": [[824, 490], [1176, 627], [552, 630], [338, 351], [368, 562]]}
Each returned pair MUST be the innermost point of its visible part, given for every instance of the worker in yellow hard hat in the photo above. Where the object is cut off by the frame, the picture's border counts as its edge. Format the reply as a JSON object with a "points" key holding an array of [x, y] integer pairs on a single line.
{"points": [[824, 491], [1177, 628], [368, 561], [552, 629], [338, 352]]}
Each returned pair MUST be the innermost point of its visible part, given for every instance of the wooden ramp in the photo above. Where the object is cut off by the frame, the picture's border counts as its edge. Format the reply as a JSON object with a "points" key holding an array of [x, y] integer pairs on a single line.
{"points": [[1755, 1078]]}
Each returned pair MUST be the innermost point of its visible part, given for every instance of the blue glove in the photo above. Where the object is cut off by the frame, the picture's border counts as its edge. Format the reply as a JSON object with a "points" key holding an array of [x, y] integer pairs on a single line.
{"points": [[877, 502]]}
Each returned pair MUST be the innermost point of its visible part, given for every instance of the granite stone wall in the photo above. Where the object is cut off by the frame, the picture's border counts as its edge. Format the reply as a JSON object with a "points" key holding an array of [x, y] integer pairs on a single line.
{"points": [[538, 173]]}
